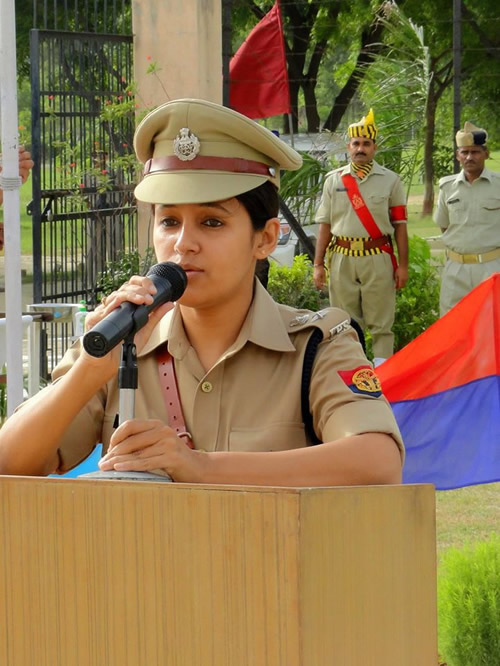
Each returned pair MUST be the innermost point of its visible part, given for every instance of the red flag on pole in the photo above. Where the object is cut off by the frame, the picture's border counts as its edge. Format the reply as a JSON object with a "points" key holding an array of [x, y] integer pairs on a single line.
{"points": [[258, 75]]}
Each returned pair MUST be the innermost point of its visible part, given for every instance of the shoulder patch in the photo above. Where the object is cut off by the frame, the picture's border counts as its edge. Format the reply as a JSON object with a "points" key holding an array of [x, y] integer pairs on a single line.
{"points": [[362, 380]]}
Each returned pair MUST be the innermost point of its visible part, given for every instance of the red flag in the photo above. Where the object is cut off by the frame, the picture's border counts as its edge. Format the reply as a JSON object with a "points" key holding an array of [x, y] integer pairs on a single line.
{"points": [[258, 74]]}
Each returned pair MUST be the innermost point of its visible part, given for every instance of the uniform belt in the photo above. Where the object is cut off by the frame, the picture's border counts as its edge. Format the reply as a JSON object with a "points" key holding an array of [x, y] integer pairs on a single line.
{"points": [[357, 245], [473, 258]]}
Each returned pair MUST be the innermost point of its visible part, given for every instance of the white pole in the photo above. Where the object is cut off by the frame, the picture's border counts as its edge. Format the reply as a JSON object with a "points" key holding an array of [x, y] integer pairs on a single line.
{"points": [[290, 124], [10, 182]]}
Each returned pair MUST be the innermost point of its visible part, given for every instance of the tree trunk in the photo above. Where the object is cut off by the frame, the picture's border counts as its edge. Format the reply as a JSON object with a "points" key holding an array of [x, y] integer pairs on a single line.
{"points": [[430, 128], [294, 88], [441, 79], [309, 87], [312, 115]]}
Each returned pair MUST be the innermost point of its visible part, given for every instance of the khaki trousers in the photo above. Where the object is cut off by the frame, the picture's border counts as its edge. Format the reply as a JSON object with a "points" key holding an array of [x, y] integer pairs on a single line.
{"points": [[457, 280], [364, 287]]}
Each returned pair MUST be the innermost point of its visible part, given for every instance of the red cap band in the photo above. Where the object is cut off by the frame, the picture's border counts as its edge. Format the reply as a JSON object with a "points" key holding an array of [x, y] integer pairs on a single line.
{"points": [[231, 164]]}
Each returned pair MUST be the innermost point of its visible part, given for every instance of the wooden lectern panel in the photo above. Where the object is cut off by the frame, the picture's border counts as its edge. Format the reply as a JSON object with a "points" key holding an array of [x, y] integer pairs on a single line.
{"points": [[110, 573]]}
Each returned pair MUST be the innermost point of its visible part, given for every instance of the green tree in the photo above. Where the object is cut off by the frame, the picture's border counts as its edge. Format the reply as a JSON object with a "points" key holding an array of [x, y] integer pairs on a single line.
{"points": [[397, 86], [479, 68]]}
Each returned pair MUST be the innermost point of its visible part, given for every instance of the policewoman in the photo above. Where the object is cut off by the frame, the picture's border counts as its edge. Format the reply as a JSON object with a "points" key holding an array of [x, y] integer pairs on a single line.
{"points": [[468, 214], [362, 209], [228, 358]]}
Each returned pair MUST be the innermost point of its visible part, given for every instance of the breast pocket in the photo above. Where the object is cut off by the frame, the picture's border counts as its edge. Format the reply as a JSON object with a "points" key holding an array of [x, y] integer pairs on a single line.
{"points": [[340, 201], [491, 205], [273, 437], [457, 211], [378, 205]]}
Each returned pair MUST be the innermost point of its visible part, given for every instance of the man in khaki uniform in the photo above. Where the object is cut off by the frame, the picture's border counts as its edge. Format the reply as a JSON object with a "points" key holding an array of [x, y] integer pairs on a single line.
{"points": [[362, 208], [468, 214]]}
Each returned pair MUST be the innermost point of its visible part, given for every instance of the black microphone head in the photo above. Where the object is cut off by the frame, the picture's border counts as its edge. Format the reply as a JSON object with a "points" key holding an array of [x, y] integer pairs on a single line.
{"points": [[174, 274]]}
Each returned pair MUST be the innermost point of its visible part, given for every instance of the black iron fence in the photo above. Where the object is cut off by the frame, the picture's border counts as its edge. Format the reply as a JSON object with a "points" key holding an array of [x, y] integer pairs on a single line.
{"points": [[105, 16], [83, 209]]}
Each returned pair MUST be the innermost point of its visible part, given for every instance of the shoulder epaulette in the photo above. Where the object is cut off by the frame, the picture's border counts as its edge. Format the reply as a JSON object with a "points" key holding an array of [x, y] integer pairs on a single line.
{"points": [[331, 321], [447, 179], [334, 171]]}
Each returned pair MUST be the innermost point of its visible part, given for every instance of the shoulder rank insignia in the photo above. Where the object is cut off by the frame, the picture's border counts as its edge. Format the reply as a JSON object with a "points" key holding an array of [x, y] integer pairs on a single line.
{"points": [[362, 380], [320, 314], [340, 328], [299, 320]]}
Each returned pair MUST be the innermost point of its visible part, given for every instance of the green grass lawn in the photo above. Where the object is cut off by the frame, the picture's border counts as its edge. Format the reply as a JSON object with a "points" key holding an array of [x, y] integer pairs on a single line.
{"points": [[466, 515]]}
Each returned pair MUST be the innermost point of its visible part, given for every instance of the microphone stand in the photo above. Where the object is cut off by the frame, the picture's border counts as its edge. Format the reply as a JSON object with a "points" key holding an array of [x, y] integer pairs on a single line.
{"points": [[127, 384], [127, 380]]}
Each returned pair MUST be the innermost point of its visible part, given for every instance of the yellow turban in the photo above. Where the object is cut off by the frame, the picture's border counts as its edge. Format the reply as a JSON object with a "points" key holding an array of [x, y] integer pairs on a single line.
{"points": [[365, 128]]}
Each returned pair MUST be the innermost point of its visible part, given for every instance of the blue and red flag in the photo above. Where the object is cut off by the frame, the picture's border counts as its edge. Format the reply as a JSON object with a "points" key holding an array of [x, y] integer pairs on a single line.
{"points": [[444, 388]]}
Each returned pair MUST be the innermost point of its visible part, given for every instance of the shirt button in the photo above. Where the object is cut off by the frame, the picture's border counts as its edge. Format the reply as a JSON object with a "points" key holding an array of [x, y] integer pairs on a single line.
{"points": [[206, 387]]}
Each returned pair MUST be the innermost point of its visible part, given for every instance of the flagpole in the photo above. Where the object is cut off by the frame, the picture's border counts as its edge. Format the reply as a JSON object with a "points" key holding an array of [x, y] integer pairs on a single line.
{"points": [[10, 182], [226, 50]]}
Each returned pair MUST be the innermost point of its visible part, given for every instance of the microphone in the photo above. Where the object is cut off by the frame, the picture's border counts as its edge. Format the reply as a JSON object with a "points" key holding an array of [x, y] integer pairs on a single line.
{"points": [[170, 281]]}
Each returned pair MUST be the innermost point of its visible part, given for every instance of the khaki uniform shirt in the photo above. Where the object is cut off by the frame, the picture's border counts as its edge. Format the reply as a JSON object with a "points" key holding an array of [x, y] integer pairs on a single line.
{"points": [[251, 399], [381, 189], [469, 212]]}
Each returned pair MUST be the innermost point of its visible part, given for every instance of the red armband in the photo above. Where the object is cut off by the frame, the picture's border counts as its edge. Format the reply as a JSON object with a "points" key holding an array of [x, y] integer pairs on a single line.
{"points": [[398, 214]]}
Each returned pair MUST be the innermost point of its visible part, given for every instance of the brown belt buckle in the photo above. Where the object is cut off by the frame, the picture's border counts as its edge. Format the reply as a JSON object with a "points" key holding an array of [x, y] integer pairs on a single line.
{"points": [[357, 245]]}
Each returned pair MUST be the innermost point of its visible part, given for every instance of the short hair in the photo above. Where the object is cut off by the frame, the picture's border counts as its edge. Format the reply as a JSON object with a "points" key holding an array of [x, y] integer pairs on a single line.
{"points": [[262, 203]]}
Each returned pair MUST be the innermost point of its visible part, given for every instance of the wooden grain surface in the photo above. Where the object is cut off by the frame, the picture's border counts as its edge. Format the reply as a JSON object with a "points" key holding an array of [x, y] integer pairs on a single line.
{"points": [[112, 573]]}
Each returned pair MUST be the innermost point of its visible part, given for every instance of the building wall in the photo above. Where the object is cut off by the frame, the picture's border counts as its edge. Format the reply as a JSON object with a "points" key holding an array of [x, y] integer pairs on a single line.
{"points": [[184, 39]]}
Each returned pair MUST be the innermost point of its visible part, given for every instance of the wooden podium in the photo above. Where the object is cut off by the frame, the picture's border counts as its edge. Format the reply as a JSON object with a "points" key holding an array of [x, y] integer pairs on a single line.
{"points": [[116, 573]]}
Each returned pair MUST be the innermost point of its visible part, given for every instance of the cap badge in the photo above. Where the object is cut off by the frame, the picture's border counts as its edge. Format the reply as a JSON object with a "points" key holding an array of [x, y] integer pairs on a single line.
{"points": [[186, 145]]}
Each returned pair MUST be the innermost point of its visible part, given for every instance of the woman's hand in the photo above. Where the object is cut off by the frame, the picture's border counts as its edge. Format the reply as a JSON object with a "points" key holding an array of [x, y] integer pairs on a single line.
{"points": [[139, 290], [141, 445]]}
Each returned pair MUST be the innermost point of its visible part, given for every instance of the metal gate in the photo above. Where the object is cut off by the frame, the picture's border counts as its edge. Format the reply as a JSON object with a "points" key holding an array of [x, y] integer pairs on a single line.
{"points": [[83, 209]]}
